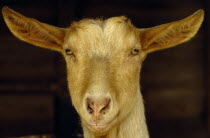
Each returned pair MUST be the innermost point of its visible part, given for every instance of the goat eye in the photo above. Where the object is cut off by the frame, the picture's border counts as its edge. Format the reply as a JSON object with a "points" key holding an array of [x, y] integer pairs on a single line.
{"points": [[68, 52], [135, 52]]}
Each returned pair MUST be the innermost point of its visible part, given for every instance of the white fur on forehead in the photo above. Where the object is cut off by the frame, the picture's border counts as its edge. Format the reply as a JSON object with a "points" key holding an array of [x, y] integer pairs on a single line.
{"points": [[114, 32]]}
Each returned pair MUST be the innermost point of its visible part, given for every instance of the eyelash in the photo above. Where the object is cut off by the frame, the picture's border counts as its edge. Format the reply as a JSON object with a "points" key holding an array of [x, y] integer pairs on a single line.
{"points": [[68, 52]]}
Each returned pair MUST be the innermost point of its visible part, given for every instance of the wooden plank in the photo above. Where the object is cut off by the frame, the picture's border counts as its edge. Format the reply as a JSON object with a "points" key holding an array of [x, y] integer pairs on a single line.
{"points": [[141, 16], [169, 73], [174, 102], [14, 49], [26, 114], [19, 72], [177, 128], [207, 25], [23, 61], [36, 136]]}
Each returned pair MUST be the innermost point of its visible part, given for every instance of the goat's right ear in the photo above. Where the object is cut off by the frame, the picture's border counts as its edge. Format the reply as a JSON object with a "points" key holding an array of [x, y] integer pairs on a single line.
{"points": [[33, 31]]}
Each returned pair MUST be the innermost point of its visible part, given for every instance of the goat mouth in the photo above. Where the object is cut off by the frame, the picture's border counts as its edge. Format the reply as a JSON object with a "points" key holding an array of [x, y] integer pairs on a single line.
{"points": [[101, 127], [98, 127]]}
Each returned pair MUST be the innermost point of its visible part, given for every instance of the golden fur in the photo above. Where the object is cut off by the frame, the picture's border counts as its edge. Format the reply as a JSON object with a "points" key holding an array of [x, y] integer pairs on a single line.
{"points": [[103, 59]]}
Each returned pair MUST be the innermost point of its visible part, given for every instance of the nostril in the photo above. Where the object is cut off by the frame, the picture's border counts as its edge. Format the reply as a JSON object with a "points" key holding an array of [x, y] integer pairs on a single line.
{"points": [[105, 106], [97, 106], [89, 109], [103, 110], [89, 105]]}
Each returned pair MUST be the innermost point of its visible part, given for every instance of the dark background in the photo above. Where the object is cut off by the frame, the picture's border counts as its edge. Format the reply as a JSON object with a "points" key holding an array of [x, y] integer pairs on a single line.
{"points": [[175, 82]]}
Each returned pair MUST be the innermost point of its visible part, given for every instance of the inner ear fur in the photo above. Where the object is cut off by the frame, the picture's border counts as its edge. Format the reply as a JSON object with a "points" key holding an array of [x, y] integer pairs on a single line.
{"points": [[33, 31], [170, 34]]}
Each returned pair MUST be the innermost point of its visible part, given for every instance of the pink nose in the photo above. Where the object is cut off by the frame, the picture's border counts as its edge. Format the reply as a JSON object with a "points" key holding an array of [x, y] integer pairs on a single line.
{"points": [[98, 107]]}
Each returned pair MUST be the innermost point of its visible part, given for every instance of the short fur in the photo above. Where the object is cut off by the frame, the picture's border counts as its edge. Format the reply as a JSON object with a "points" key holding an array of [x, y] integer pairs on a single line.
{"points": [[103, 59]]}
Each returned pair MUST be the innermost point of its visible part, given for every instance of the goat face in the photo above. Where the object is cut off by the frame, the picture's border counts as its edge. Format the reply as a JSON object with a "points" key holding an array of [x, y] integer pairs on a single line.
{"points": [[103, 63]]}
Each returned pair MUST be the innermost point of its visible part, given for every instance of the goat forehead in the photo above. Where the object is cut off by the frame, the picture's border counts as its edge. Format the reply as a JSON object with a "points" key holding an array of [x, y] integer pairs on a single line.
{"points": [[101, 36]]}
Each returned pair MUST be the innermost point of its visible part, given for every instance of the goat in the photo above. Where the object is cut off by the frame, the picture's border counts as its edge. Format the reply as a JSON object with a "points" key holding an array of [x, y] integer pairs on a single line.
{"points": [[104, 59]]}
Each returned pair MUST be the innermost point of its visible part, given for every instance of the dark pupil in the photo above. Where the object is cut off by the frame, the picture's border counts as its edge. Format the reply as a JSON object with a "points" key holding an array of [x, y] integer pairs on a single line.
{"points": [[136, 50], [68, 50]]}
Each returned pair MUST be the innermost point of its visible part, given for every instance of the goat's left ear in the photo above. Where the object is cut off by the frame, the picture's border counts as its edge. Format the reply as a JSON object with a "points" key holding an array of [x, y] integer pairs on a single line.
{"points": [[171, 34]]}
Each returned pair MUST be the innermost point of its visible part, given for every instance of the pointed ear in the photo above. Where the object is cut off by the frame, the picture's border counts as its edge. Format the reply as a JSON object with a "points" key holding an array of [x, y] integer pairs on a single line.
{"points": [[171, 34], [33, 31]]}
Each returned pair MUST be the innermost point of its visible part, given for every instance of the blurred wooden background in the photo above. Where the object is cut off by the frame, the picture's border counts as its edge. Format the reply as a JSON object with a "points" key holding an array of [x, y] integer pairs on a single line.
{"points": [[175, 82]]}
